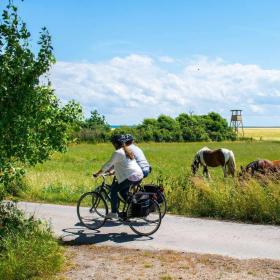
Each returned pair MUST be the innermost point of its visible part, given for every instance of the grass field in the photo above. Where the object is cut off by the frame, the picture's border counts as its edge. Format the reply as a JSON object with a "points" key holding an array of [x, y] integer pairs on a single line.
{"points": [[66, 176], [270, 133]]}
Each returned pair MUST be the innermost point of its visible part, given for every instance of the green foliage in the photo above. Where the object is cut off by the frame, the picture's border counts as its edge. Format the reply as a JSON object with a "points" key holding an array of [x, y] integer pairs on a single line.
{"points": [[96, 121], [27, 248], [32, 122], [11, 179], [94, 129], [217, 127], [192, 128], [187, 128]]}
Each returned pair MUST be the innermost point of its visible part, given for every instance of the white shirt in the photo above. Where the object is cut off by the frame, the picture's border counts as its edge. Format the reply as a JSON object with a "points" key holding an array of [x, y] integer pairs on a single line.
{"points": [[139, 157], [124, 167]]}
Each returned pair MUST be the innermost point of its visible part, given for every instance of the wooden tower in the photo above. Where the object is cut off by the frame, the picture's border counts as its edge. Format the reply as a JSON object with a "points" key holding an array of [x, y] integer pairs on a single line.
{"points": [[236, 121]]}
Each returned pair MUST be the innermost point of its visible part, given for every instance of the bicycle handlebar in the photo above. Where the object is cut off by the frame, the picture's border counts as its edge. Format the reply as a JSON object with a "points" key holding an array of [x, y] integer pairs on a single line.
{"points": [[103, 175]]}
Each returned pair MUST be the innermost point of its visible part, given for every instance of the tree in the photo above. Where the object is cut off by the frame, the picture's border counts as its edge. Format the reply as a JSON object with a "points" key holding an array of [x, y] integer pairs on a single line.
{"points": [[168, 129], [94, 129], [96, 121], [33, 124], [217, 127], [192, 128]]}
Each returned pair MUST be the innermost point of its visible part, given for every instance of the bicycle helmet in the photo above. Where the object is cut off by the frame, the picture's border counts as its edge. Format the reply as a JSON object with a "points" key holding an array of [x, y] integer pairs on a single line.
{"points": [[128, 138], [118, 139]]}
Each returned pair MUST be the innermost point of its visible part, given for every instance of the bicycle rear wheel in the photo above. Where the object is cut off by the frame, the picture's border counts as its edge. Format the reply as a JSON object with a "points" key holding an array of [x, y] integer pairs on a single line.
{"points": [[92, 210], [162, 205], [148, 224]]}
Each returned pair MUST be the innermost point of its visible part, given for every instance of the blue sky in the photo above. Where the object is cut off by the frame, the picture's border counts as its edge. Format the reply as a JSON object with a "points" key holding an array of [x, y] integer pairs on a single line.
{"points": [[137, 59]]}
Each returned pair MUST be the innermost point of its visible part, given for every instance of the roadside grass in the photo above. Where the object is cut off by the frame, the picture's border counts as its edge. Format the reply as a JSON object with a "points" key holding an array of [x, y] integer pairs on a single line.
{"points": [[251, 200], [66, 176], [37, 256], [27, 250]]}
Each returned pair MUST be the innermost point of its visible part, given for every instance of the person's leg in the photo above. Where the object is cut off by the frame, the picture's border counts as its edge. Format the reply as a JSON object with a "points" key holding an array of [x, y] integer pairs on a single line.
{"points": [[114, 197], [114, 193], [124, 192]]}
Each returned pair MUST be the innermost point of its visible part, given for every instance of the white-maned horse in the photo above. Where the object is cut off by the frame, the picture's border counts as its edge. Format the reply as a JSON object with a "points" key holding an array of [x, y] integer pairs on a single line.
{"points": [[213, 158]]}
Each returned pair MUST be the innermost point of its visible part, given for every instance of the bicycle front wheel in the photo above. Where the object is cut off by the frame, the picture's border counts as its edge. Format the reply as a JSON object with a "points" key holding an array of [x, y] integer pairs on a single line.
{"points": [[148, 224], [92, 210]]}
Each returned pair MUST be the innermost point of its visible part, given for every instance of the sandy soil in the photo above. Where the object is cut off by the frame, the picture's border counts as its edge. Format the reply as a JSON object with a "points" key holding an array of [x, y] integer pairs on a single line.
{"points": [[104, 262]]}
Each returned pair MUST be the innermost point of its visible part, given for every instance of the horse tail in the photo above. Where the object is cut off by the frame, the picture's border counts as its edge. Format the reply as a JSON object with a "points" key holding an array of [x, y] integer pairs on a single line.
{"points": [[232, 164]]}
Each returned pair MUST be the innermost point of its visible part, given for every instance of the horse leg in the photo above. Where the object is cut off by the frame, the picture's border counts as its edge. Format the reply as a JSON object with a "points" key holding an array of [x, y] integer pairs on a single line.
{"points": [[225, 171], [205, 171], [230, 171]]}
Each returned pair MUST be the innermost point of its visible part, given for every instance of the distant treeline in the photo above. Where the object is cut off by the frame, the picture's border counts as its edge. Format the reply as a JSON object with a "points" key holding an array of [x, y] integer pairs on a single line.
{"points": [[184, 128]]}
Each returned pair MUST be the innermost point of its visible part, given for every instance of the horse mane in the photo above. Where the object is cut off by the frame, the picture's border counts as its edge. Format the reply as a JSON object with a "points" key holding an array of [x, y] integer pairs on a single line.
{"points": [[232, 164]]}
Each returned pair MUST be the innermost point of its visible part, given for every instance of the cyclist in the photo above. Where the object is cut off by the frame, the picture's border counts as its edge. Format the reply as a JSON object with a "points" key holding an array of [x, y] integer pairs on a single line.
{"points": [[127, 172], [138, 154]]}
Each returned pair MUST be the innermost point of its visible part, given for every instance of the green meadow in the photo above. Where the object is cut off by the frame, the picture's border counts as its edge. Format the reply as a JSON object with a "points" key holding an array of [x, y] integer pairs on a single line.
{"points": [[66, 176]]}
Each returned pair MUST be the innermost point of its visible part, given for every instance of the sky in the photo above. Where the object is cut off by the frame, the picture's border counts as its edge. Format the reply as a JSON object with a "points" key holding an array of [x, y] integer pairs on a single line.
{"points": [[138, 59]]}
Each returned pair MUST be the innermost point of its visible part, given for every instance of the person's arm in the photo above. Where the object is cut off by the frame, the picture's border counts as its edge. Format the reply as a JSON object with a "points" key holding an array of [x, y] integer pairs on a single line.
{"points": [[108, 166]]}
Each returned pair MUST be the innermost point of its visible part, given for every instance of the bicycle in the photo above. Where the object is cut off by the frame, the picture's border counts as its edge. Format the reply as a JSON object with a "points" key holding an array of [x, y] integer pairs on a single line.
{"points": [[140, 210]]}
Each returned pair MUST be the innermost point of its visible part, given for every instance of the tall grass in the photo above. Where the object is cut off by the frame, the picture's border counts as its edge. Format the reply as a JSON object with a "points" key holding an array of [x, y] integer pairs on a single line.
{"points": [[27, 248], [249, 200], [66, 176]]}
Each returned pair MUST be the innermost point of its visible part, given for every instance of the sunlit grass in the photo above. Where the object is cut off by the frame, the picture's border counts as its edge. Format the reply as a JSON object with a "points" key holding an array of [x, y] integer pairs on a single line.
{"points": [[66, 176]]}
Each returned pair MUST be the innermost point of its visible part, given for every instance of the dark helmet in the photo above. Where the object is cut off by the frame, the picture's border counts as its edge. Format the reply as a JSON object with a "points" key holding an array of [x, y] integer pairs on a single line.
{"points": [[128, 138], [118, 139]]}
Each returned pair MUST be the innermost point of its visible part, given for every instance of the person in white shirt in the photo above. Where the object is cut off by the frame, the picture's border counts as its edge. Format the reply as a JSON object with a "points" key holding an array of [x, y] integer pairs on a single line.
{"points": [[127, 172], [138, 154]]}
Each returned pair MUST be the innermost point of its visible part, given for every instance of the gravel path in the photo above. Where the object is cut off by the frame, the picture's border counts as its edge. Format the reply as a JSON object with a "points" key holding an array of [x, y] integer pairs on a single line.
{"points": [[90, 262], [181, 234]]}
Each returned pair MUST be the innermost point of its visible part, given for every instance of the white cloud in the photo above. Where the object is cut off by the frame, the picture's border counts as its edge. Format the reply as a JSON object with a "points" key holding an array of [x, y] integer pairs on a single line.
{"points": [[128, 89], [166, 59], [256, 108]]}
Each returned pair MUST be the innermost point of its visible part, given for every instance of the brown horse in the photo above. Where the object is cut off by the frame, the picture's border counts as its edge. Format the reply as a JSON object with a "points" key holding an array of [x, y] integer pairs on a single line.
{"points": [[221, 157], [262, 166]]}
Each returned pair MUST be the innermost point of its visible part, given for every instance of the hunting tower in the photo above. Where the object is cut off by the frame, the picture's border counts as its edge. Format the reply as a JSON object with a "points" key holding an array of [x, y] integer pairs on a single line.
{"points": [[236, 121]]}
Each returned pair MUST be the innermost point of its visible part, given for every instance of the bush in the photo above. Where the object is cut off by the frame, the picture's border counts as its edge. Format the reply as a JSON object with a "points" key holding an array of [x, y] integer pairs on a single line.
{"points": [[188, 128], [92, 135], [27, 248]]}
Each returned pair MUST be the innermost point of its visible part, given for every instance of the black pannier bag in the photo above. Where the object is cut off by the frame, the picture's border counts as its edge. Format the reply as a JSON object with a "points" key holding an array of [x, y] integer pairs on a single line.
{"points": [[158, 190], [140, 206]]}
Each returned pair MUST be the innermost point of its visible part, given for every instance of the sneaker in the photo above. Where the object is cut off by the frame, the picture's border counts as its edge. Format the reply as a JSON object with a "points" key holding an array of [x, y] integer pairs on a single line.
{"points": [[112, 215]]}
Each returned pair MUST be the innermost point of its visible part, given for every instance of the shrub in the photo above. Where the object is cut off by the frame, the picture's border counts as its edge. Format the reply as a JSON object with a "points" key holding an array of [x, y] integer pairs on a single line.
{"points": [[188, 128]]}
